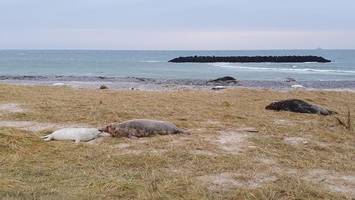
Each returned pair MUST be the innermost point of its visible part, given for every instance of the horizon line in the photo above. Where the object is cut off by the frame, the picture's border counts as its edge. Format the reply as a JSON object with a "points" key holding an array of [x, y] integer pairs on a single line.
{"points": [[79, 49]]}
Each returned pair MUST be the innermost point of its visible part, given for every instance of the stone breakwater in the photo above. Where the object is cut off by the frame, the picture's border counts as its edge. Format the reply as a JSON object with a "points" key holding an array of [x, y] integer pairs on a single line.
{"points": [[250, 59]]}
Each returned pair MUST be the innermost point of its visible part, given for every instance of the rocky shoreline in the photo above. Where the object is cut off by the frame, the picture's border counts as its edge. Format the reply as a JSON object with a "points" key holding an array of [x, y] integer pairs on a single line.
{"points": [[171, 84]]}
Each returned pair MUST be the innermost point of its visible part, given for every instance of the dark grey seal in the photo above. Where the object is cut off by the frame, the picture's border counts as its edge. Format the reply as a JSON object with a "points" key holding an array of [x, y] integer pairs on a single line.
{"points": [[299, 106], [141, 128]]}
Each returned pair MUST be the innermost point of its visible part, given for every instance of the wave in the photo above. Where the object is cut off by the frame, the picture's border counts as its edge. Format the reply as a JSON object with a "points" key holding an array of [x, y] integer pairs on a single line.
{"points": [[293, 69], [151, 61]]}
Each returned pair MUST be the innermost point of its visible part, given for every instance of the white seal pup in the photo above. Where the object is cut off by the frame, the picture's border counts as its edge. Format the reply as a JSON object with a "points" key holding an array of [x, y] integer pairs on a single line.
{"points": [[74, 134], [141, 128]]}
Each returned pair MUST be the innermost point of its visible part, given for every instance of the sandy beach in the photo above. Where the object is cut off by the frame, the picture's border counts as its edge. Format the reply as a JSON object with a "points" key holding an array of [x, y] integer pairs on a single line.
{"points": [[235, 148]]}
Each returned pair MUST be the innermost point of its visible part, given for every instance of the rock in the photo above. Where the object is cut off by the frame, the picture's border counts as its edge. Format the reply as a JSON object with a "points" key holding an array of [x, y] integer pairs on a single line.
{"points": [[289, 80], [226, 80], [11, 108], [141, 128], [103, 87], [298, 106], [249, 59]]}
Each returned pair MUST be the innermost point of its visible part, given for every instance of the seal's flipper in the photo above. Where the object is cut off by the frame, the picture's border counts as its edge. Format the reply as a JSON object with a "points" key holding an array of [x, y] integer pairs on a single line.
{"points": [[180, 131], [184, 131], [48, 138], [44, 137]]}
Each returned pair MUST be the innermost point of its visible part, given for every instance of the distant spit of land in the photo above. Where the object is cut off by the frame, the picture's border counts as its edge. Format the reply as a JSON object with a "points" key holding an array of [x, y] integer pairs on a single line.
{"points": [[250, 59]]}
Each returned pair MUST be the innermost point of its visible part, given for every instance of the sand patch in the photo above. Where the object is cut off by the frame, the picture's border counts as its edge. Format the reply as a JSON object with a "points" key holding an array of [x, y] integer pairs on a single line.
{"points": [[295, 140], [267, 161], [234, 142], [11, 108], [37, 126], [211, 124], [334, 181], [285, 122], [228, 181], [122, 146]]}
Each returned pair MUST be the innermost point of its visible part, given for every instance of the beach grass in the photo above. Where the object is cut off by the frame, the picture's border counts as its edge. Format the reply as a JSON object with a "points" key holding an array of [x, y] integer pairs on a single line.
{"points": [[292, 156]]}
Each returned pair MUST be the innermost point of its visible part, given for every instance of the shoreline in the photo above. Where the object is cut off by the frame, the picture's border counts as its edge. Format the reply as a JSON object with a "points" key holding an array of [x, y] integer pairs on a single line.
{"points": [[137, 83]]}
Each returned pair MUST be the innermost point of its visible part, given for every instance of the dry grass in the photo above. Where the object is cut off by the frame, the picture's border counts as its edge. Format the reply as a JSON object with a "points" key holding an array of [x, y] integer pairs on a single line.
{"points": [[171, 167]]}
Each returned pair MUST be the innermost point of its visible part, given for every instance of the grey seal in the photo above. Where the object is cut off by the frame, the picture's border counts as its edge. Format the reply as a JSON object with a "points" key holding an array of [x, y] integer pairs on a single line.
{"points": [[299, 106], [141, 128]]}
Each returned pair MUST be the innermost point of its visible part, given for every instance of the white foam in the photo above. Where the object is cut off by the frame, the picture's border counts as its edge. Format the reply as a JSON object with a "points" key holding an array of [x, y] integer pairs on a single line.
{"points": [[58, 84], [297, 86], [151, 61], [293, 69]]}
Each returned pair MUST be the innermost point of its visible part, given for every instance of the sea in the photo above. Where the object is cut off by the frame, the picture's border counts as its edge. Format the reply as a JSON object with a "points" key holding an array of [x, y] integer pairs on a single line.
{"points": [[154, 64]]}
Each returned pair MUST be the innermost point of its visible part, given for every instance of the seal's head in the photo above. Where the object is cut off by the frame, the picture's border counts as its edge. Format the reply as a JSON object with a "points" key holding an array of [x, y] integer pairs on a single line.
{"points": [[272, 106], [108, 129]]}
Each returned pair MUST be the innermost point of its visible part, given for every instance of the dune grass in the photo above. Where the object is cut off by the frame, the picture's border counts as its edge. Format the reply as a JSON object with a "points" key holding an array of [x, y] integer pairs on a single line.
{"points": [[168, 167]]}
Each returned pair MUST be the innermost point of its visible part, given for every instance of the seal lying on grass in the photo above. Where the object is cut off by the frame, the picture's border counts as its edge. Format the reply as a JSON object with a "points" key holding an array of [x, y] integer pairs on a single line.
{"points": [[74, 134], [141, 128], [299, 106]]}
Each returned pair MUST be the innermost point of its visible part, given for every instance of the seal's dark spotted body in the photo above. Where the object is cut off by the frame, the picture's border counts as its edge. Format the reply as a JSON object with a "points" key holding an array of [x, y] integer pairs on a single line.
{"points": [[296, 105]]}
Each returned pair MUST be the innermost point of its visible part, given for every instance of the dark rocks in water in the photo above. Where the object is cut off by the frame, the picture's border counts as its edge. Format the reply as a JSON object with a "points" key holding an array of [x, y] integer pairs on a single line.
{"points": [[289, 80], [141, 79], [249, 59], [226, 80], [299, 106], [103, 87]]}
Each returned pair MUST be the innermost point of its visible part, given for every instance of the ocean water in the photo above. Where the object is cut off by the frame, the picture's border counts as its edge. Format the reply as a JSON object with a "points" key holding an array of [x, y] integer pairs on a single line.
{"points": [[154, 64]]}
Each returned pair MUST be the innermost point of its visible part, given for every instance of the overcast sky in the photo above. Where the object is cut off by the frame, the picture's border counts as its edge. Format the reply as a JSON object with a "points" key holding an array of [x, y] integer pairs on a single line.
{"points": [[177, 24]]}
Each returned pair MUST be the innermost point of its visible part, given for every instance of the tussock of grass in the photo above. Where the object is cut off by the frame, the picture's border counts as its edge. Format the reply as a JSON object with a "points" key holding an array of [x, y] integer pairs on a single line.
{"points": [[165, 167]]}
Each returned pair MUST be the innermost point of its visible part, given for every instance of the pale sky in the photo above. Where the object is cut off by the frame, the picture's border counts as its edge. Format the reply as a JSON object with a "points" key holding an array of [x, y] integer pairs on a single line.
{"points": [[177, 24]]}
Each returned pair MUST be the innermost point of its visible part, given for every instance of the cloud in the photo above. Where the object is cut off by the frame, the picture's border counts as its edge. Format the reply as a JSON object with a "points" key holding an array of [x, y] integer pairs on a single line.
{"points": [[183, 24], [175, 40]]}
